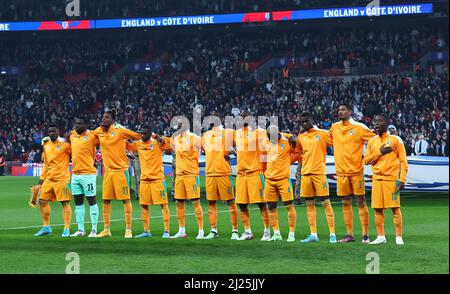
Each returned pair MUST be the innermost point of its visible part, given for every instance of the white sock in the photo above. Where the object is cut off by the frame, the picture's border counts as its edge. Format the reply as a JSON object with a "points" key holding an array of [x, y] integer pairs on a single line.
{"points": [[182, 230], [331, 235], [266, 230], [249, 231], [314, 234], [214, 230], [201, 232], [277, 232]]}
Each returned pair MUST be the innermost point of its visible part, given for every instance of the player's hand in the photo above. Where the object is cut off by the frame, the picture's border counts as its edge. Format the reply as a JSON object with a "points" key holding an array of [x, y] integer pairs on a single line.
{"points": [[45, 139], [385, 149], [158, 138], [41, 182], [401, 186]]}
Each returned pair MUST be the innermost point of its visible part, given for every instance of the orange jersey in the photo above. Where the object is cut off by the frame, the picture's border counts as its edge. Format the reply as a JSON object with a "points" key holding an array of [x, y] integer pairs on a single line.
{"points": [[83, 152], [113, 146], [278, 159], [56, 160], [249, 149], [349, 138], [187, 151], [151, 157], [217, 144], [391, 166], [312, 147]]}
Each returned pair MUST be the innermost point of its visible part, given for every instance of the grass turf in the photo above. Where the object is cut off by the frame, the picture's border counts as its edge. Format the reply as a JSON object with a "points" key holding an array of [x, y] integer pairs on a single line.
{"points": [[426, 234]]}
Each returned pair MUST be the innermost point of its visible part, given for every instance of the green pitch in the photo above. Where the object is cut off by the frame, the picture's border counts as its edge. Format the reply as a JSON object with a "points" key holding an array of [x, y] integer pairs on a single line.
{"points": [[426, 234]]}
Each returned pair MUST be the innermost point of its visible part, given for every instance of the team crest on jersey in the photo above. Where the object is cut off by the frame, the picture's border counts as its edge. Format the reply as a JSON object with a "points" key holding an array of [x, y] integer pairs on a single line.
{"points": [[317, 137], [388, 143], [58, 147], [152, 147], [351, 132], [283, 146], [113, 134], [85, 138]]}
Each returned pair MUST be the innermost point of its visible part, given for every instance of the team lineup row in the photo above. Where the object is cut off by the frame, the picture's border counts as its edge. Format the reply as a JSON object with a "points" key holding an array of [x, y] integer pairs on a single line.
{"points": [[263, 157]]}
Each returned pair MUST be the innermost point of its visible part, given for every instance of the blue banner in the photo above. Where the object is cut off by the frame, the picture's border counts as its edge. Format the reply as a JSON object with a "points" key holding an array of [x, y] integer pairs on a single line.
{"points": [[370, 11]]}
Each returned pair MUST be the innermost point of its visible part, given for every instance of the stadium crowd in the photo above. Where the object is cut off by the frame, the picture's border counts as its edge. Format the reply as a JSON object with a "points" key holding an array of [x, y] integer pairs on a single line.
{"points": [[214, 73]]}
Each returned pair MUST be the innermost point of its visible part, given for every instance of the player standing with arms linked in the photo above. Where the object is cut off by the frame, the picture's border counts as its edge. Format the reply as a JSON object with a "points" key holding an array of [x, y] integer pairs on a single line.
{"points": [[116, 181], [55, 181], [349, 138]]}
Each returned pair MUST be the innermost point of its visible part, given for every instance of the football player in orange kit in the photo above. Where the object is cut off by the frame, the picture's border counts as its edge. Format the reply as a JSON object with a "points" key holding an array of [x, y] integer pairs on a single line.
{"points": [[84, 179], [249, 142], [387, 155], [187, 146], [153, 188], [55, 181], [216, 144], [116, 181], [279, 148], [311, 146], [349, 138]]}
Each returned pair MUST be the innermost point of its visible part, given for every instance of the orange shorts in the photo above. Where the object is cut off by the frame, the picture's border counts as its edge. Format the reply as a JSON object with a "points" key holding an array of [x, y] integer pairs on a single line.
{"points": [[385, 194], [153, 192], [187, 187], [250, 189], [314, 186], [350, 185], [55, 191], [219, 188], [116, 185], [275, 189]]}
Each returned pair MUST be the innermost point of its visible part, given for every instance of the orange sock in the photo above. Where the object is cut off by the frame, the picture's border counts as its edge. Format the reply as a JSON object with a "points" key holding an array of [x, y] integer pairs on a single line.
{"points": [[292, 217], [398, 219], [347, 210], [311, 212], [245, 218], [273, 218], [67, 215], [107, 214], [128, 209], [265, 216], [181, 214], [330, 215], [146, 218], [212, 215], [364, 218], [379, 221], [45, 213], [199, 214], [166, 217], [233, 216]]}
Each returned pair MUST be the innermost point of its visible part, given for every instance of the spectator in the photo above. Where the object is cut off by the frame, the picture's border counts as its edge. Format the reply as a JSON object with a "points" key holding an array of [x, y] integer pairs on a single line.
{"points": [[421, 146]]}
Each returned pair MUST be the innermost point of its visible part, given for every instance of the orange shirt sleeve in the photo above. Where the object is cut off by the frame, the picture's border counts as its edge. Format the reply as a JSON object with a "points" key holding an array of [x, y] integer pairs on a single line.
{"points": [[372, 155], [45, 166], [297, 153], [166, 146], [127, 134], [131, 146], [367, 134]]}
